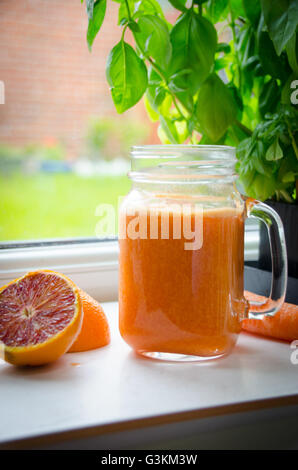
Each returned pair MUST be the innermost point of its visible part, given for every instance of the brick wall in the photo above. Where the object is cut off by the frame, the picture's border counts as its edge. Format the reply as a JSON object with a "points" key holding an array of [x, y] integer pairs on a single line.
{"points": [[52, 82]]}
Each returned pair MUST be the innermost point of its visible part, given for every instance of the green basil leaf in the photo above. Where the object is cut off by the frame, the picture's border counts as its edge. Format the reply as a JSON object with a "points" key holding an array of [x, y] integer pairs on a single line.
{"points": [[255, 176], [169, 129], [216, 108], [133, 26], [235, 135], [127, 76], [154, 38], [288, 170], [289, 177], [172, 132], [269, 97], [180, 86], [223, 47], [193, 41], [182, 130], [281, 18], [216, 9], [123, 13], [148, 7], [292, 52], [138, 8], [246, 45], [259, 72], [245, 180], [96, 21], [258, 161], [156, 97], [274, 152], [166, 106], [163, 136], [237, 8], [154, 81], [221, 63], [262, 187], [177, 89], [270, 61], [123, 22], [252, 9], [160, 94], [187, 99], [153, 115], [178, 4], [244, 148], [180, 73], [191, 124], [236, 95]]}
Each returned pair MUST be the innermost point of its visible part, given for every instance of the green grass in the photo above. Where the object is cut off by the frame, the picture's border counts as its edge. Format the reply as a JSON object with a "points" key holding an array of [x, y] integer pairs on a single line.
{"points": [[54, 205]]}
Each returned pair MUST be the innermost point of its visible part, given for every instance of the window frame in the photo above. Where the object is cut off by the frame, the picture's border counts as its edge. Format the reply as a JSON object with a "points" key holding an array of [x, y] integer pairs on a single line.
{"points": [[90, 262]]}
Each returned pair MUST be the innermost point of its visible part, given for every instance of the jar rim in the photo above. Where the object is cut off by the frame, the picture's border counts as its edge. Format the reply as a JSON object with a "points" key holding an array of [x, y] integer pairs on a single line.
{"points": [[138, 150], [182, 163], [184, 146]]}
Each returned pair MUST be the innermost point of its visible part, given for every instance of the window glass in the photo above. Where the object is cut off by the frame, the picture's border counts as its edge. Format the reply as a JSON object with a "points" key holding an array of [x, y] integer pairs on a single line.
{"points": [[63, 148], [64, 151]]}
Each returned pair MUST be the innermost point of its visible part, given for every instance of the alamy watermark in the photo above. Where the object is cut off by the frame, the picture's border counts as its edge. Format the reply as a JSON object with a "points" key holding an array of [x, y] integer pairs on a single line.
{"points": [[294, 354], [294, 94], [170, 221]]}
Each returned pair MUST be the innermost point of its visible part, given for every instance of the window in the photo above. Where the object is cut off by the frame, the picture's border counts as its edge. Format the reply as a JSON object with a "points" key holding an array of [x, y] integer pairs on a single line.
{"points": [[63, 148]]}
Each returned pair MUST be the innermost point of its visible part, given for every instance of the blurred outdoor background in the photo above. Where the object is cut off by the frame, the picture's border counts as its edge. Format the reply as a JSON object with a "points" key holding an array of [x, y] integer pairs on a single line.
{"points": [[63, 148]]}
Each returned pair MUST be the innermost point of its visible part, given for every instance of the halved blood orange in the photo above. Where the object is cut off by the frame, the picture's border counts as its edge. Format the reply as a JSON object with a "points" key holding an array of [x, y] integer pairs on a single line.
{"points": [[40, 317]]}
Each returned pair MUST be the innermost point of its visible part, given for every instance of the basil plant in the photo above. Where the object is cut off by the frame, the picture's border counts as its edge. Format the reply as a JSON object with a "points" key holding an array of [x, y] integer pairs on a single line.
{"points": [[241, 91]]}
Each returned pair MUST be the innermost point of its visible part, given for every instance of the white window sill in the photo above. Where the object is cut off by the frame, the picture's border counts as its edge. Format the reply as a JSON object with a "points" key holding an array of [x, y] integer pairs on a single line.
{"points": [[94, 399]]}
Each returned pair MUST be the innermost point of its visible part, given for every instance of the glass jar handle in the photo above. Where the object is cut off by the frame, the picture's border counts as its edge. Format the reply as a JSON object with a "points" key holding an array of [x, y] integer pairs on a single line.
{"points": [[261, 211]]}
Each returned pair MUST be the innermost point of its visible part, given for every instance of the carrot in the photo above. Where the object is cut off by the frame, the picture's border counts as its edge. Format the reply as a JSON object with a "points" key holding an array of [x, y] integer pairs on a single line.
{"points": [[284, 324]]}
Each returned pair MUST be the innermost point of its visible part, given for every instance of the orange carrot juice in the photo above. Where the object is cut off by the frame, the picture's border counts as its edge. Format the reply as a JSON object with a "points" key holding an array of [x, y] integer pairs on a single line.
{"points": [[183, 301]]}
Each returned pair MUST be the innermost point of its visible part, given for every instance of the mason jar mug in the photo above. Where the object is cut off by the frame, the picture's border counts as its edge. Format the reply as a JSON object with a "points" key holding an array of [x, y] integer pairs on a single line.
{"points": [[181, 238]]}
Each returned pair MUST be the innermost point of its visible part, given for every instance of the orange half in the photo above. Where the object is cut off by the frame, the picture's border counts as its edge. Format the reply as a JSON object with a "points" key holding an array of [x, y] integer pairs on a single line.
{"points": [[40, 317], [95, 332]]}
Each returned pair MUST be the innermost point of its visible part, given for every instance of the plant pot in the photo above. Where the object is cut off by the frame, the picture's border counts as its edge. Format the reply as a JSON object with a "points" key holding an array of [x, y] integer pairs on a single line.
{"points": [[289, 216]]}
